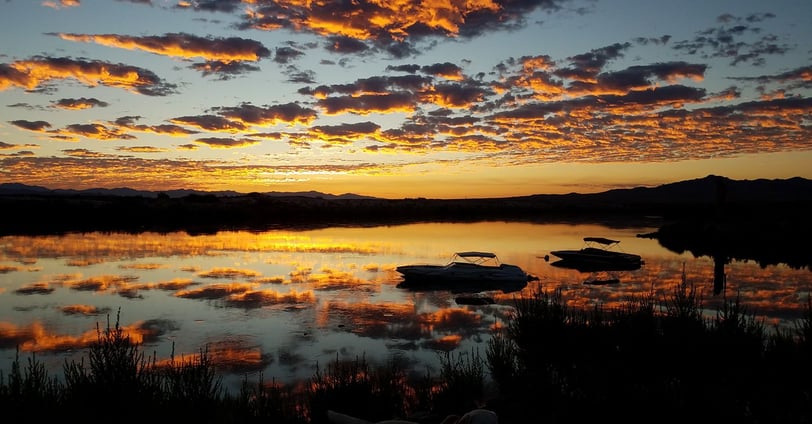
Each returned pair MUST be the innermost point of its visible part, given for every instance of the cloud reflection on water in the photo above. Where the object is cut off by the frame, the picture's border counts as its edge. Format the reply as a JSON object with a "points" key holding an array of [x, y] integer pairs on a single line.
{"points": [[281, 301]]}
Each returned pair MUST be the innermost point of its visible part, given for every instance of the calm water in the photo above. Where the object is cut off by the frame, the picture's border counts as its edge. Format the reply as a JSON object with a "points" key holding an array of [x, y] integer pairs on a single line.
{"points": [[281, 302]]}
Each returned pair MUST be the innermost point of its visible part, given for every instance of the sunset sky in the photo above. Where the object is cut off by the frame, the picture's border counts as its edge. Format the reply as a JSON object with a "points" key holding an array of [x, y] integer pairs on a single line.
{"points": [[399, 98]]}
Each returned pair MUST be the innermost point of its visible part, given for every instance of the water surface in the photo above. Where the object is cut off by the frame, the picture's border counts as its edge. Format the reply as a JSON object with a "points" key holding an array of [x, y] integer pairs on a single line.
{"points": [[282, 302]]}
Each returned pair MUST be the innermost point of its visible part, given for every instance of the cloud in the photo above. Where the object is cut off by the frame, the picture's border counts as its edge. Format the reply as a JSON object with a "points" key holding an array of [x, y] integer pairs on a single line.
{"points": [[455, 95], [404, 68], [736, 39], [371, 85], [37, 71], [210, 123], [128, 122], [286, 54], [345, 133], [94, 131], [186, 46], [79, 104], [141, 149], [365, 104], [226, 143], [354, 27], [248, 114], [225, 70], [61, 4], [639, 77], [84, 153], [21, 153], [446, 70], [586, 66], [225, 6], [39, 126]]}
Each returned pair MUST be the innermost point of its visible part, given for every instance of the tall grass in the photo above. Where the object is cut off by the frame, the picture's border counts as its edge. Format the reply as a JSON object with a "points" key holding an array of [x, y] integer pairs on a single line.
{"points": [[650, 359]]}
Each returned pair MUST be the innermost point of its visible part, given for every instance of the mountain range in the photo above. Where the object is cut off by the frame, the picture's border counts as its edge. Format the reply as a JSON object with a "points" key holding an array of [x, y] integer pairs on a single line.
{"points": [[16, 189], [702, 190]]}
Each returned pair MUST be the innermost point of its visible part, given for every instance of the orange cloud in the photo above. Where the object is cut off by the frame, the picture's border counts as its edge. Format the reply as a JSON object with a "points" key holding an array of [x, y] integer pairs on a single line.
{"points": [[227, 50], [34, 72], [61, 4]]}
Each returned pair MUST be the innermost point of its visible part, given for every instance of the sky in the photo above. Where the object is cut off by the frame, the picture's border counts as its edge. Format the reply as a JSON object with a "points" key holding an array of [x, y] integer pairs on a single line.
{"points": [[400, 98]]}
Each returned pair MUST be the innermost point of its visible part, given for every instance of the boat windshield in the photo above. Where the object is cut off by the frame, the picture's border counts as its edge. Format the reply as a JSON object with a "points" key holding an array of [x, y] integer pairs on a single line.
{"points": [[476, 258], [600, 240]]}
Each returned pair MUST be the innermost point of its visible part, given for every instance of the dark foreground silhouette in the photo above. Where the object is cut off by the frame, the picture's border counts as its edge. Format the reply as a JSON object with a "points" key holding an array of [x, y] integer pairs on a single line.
{"points": [[653, 359]]}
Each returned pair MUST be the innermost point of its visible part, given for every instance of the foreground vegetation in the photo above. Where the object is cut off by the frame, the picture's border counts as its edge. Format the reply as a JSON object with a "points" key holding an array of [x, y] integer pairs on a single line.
{"points": [[653, 359]]}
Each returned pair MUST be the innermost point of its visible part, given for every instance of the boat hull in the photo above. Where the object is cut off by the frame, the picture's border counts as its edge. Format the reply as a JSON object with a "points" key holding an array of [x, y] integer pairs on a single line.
{"points": [[594, 255], [462, 278]]}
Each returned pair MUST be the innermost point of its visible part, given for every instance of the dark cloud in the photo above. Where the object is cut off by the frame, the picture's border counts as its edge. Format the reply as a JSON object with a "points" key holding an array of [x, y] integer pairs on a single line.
{"points": [[404, 68], [455, 95], [31, 125], [798, 78], [230, 49], [296, 75], [662, 40], [209, 123], [268, 115], [587, 65], [11, 76], [140, 149], [445, 70], [129, 122], [21, 153], [95, 131], [364, 104], [287, 54], [355, 27], [225, 6], [401, 50], [346, 45], [344, 130], [224, 70], [636, 77], [736, 39], [80, 103], [225, 143], [84, 153], [371, 85]]}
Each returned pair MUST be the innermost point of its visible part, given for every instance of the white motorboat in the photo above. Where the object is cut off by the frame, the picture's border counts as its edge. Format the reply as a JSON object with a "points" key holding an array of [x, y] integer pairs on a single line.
{"points": [[464, 268]]}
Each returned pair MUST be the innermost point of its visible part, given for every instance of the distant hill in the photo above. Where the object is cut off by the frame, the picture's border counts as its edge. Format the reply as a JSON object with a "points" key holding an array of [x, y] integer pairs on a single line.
{"points": [[701, 190], [16, 189]]}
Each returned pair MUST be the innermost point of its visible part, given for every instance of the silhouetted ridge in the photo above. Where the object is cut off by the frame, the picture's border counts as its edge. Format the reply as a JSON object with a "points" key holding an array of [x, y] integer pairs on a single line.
{"points": [[30, 209]]}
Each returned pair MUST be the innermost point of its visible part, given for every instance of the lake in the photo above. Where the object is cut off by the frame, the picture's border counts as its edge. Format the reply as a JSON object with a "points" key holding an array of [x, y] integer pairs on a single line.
{"points": [[283, 302]]}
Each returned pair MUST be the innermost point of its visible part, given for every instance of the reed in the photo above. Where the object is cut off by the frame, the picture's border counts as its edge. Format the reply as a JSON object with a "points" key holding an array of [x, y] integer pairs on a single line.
{"points": [[647, 358]]}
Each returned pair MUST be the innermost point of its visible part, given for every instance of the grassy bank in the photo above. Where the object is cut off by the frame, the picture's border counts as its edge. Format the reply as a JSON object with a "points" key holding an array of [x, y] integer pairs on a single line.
{"points": [[654, 359]]}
